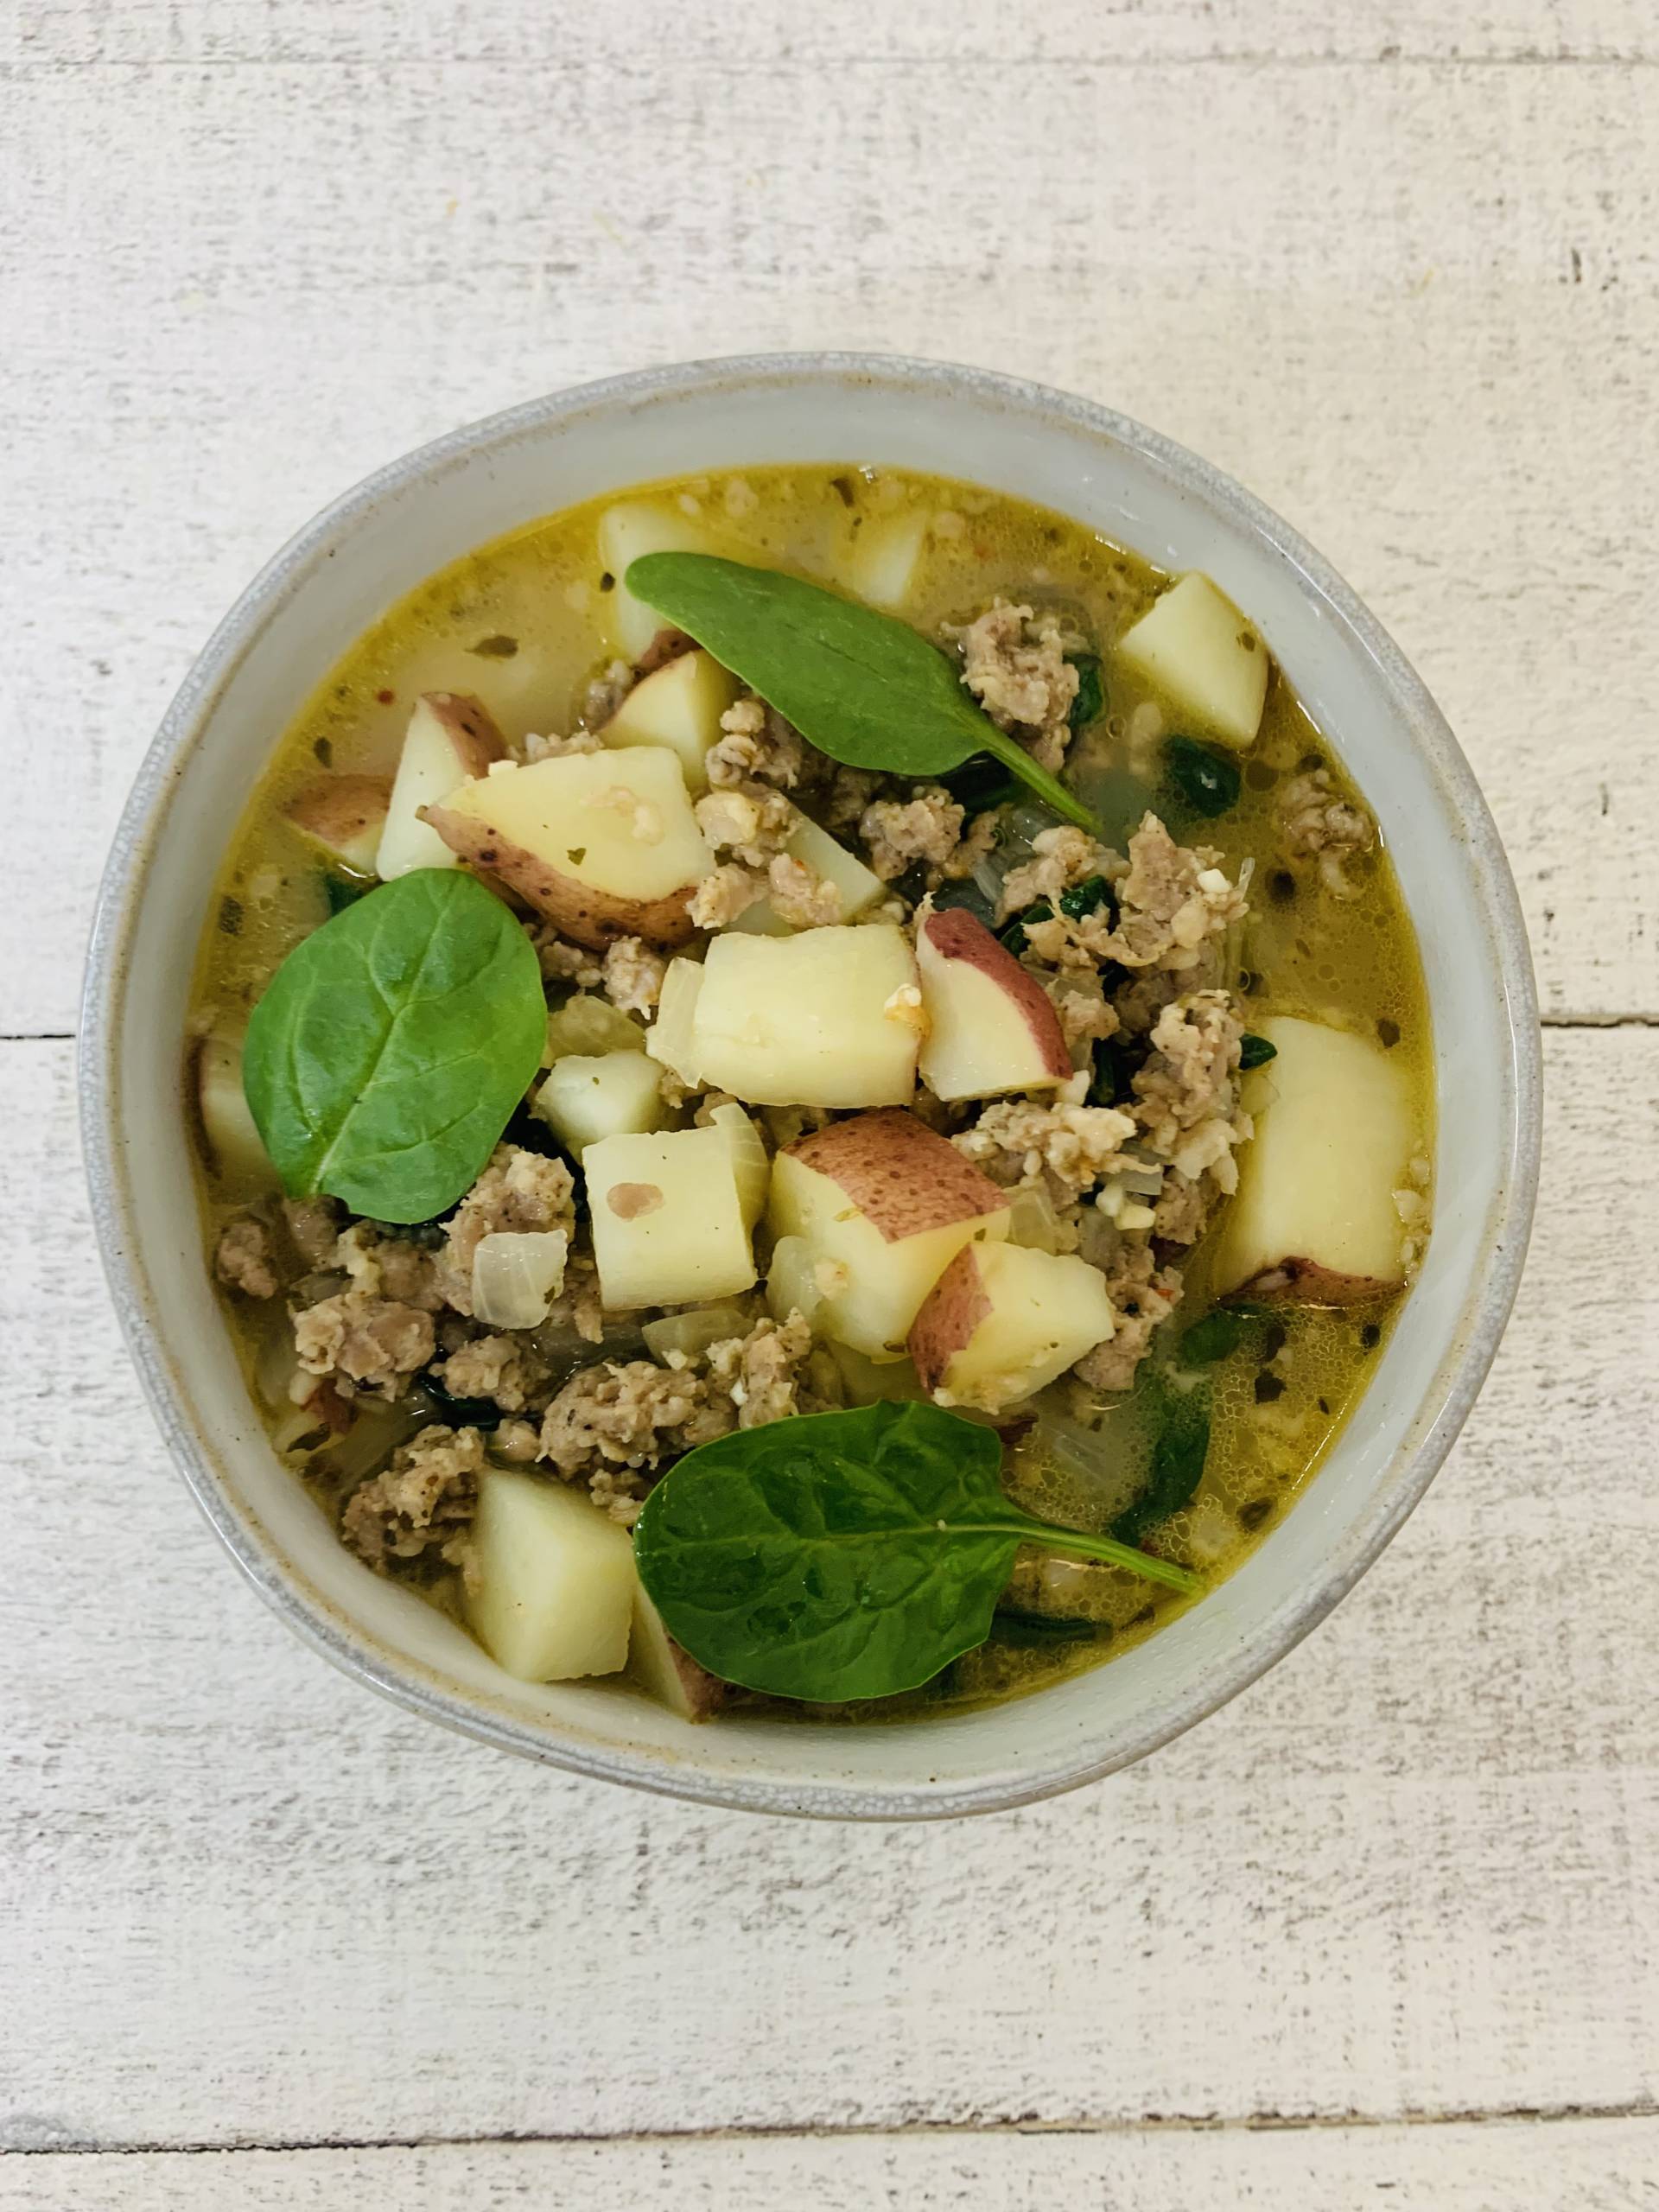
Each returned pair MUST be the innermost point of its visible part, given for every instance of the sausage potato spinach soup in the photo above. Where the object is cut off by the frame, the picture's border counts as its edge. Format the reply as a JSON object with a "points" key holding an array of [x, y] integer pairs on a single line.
{"points": [[813, 1090]]}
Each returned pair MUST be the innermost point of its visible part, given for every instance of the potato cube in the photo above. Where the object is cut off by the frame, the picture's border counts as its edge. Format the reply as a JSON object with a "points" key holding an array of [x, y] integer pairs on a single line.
{"points": [[550, 1595], [450, 738], [667, 1218], [626, 533], [828, 1018], [1195, 647], [1004, 1320], [610, 1095], [679, 706]]}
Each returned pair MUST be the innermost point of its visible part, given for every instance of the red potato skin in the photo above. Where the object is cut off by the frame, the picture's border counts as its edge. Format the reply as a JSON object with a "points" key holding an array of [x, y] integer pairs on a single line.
{"points": [[341, 813], [955, 934], [950, 1313], [471, 729], [1304, 1282], [903, 1177], [587, 916], [705, 1693]]}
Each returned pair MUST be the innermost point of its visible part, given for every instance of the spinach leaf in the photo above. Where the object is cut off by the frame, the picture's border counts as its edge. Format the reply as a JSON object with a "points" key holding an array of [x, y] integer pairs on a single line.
{"points": [[1178, 1460], [1085, 898], [1010, 1626], [863, 687], [844, 1555], [1090, 702], [980, 784], [343, 891], [1112, 1083], [1205, 778], [1013, 936], [1222, 1331], [392, 1044], [1254, 1052]]}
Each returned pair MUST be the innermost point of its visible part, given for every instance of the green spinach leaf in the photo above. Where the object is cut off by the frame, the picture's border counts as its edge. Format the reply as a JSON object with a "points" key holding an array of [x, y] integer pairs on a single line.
{"points": [[1222, 1331], [392, 1044], [1205, 779], [1090, 702], [845, 1554], [1254, 1052], [1178, 1460], [863, 687]]}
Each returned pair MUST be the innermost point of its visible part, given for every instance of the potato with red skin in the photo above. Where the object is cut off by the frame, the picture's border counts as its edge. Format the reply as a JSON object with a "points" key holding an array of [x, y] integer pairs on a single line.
{"points": [[451, 738], [344, 817], [991, 1027], [872, 1210], [605, 844], [1004, 1320]]}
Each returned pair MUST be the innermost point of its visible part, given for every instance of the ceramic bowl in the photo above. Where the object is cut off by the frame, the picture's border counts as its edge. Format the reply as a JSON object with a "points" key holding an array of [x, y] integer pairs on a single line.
{"points": [[420, 513]]}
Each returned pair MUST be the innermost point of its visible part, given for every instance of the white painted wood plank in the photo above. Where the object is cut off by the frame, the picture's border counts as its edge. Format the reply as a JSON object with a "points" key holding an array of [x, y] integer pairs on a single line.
{"points": [[1415, 306], [1413, 1872], [1506, 2166], [448, 32]]}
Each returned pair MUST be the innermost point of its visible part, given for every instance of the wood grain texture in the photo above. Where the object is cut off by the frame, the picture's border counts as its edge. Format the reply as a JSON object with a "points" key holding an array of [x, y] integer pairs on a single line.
{"points": [[1411, 303], [1510, 2166], [1410, 1873], [1396, 266]]}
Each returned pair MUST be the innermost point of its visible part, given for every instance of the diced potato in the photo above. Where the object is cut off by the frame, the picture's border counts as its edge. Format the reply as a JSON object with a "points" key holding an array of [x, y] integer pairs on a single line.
{"points": [[749, 1157], [614, 1094], [679, 706], [1004, 1320], [235, 1150], [1196, 648], [668, 1218], [991, 1027], [868, 1214], [605, 844], [552, 1593], [344, 817], [450, 738], [818, 1019], [589, 1025], [887, 553], [1315, 1217], [670, 1041], [626, 533], [663, 1671]]}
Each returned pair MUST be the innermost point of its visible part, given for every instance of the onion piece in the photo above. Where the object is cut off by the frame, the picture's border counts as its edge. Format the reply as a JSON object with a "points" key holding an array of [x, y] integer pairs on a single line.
{"points": [[693, 1333], [1033, 1222], [516, 1275]]}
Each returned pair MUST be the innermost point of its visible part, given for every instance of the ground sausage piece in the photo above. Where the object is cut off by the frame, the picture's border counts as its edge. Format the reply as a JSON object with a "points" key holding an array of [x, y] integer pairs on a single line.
{"points": [[375, 1344], [494, 1367], [758, 1372], [244, 1259], [1321, 824], [724, 894], [610, 1425], [1142, 1295], [423, 1501], [927, 828], [1013, 662], [1186, 1094], [314, 1224], [1020, 1140], [1172, 899], [759, 743], [633, 975], [519, 1191]]}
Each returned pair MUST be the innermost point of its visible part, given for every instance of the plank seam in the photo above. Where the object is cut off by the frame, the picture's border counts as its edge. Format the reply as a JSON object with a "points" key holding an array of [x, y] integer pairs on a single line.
{"points": [[1259, 58], [1641, 2109]]}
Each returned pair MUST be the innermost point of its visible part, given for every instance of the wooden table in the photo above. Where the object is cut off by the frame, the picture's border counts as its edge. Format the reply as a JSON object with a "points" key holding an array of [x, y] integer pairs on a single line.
{"points": [[1386, 1931]]}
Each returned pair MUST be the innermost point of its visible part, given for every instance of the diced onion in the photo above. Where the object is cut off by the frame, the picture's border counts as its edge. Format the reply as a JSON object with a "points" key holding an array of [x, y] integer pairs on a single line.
{"points": [[1033, 1221], [691, 1333], [517, 1276]]}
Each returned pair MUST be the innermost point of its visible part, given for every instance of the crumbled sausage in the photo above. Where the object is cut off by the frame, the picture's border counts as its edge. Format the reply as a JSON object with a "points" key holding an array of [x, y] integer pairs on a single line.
{"points": [[760, 1372], [422, 1501], [1143, 1295], [501, 1368], [1186, 1093], [1171, 900], [1021, 1140], [633, 975], [1060, 858], [244, 1259], [1013, 662], [750, 820], [1318, 823], [724, 894], [756, 743], [314, 1226], [519, 1191], [376, 1345], [897, 832], [800, 897]]}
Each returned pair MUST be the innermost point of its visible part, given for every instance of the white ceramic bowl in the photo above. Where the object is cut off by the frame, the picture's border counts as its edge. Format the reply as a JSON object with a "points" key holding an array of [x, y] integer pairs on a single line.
{"points": [[420, 513]]}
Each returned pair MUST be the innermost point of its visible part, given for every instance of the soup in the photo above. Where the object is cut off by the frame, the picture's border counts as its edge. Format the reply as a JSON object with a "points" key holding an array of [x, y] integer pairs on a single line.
{"points": [[813, 1090]]}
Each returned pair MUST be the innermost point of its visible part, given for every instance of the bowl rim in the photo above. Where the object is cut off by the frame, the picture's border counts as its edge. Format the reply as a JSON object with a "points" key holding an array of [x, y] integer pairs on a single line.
{"points": [[1450, 1391]]}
